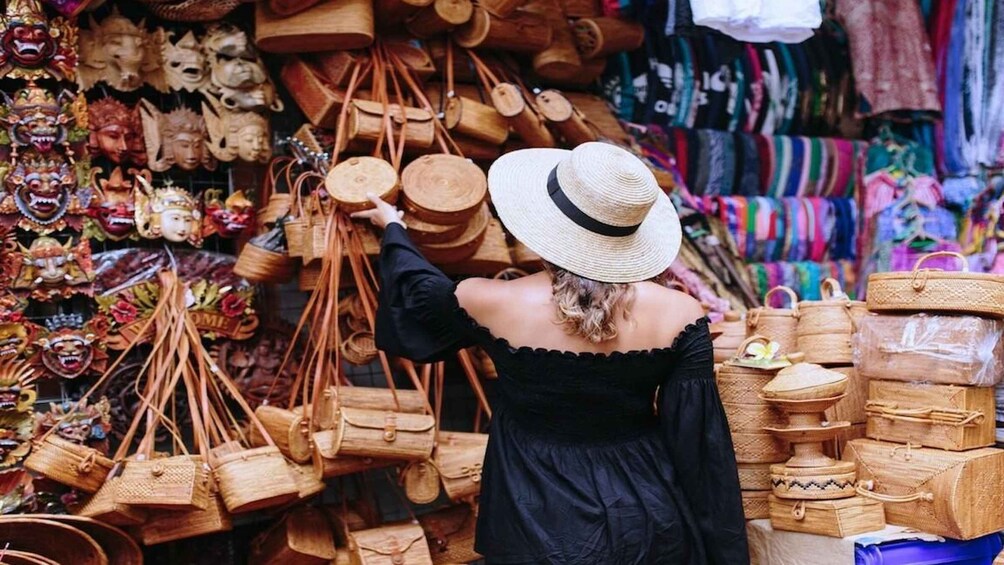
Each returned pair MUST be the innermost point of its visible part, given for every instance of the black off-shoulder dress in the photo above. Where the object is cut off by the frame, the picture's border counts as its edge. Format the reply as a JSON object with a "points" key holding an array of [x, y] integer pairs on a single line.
{"points": [[586, 464]]}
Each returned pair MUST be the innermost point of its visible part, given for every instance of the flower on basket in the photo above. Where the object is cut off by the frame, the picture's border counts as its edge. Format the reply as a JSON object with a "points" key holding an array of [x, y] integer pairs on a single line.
{"points": [[763, 352]]}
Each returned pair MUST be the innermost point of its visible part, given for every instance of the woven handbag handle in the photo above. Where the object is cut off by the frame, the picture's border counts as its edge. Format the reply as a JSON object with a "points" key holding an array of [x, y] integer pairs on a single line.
{"points": [[830, 289], [741, 350], [942, 416], [864, 488], [792, 297], [962, 259], [442, 135]]}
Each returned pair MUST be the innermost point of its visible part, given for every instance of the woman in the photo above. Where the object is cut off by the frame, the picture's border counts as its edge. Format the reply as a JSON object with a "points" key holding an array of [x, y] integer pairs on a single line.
{"points": [[587, 462]]}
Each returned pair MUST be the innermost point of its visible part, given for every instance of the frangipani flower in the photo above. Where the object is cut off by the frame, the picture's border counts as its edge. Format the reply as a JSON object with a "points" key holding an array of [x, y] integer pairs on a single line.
{"points": [[761, 352]]}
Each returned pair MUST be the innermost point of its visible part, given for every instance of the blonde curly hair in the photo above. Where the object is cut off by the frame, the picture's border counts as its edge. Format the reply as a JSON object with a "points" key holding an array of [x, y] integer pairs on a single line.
{"points": [[588, 308]]}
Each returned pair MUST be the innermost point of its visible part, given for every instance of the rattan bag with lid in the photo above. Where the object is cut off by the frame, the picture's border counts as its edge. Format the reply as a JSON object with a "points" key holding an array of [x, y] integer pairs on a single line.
{"points": [[780, 325], [933, 290], [825, 326]]}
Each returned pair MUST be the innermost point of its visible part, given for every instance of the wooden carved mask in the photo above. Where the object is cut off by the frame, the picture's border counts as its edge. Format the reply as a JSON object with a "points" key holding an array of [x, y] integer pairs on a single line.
{"points": [[33, 47], [169, 212], [16, 334], [177, 138], [115, 132], [237, 135], [70, 348], [228, 218], [112, 213], [37, 119], [120, 53], [42, 195], [237, 73], [185, 63], [50, 270]]}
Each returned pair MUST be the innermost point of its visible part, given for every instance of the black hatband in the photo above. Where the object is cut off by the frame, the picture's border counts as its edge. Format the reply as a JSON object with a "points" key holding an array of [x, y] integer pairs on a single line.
{"points": [[572, 212]]}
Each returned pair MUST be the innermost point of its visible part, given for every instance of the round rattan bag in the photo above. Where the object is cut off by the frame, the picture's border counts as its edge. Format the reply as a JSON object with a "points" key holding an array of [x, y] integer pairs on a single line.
{"points": [[443, 189], [349, 181]]}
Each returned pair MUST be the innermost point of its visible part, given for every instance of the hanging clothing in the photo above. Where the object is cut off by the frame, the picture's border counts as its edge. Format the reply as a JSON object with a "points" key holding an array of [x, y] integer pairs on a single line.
{"points": [[580, 468], [760, 21], [891, 58]]}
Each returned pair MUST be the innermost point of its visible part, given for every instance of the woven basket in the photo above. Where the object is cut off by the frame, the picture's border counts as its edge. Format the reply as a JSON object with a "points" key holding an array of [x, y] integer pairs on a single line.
{"points": [[468, 117], [330, 25], [381, 434], [423, 232], [561, 60], [181, 482], [581, 8], [279, 205], [287, 8], [780, 325], [421, 482], [464, 246], [102, 506], [328, 464], [450, 535], [117, 545], [731, 333], [58, 542], [509, 101], [348, 182], [931, 290], [520, 32], [309, 276], [443, 189], [373, 398], [817, 483], [738, 384], [955, 494], [307, 484], [366, 124], [360, 348], [752, 417], [319, 100], [825, 326], [759, 448], [259, 265], [255, 479], [850, 408], [163, 527], [439, 17], [601, 37], [390, 545], [501, 8], [568, 121], [286, 429], [78, 466], [191, 10], [756, 505], [302, 537], [460, 459], [754, 476]]}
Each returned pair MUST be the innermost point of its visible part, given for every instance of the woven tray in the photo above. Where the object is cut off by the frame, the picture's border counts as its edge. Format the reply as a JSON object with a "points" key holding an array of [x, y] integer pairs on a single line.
{"points": [[937, 291]]}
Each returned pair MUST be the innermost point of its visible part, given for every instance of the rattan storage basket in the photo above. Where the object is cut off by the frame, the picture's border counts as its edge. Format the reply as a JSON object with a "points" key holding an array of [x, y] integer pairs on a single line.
{"points": [[813, 483], [468, 117], [330, 25], [759, 448], [825, 326], [755, 505], [780, 325], [751, 417], [443, 189], [464, 246], [423, 232], [754, 476], [732, 332], [932, 290], [600, 37], [520, 32]]}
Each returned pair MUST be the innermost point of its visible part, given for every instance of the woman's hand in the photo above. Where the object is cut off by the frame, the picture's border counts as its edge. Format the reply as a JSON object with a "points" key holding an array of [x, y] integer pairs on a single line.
{"points": [[383, 215]]}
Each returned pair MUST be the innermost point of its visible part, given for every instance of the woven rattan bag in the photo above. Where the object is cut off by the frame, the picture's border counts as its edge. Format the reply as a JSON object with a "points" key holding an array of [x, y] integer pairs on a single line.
{"points": [[443, 189], [74, 465], [329, 25], [302, 537], [390, 545], [179, 482], [162, 527], [780, 325], [450, 534], [287, 429], [825, 326], [931, 290], [380, 434], [460, 459]]}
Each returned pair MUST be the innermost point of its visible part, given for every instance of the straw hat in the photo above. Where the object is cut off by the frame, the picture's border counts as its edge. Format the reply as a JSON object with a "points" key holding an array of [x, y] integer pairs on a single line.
{"points": [[595, 211]]}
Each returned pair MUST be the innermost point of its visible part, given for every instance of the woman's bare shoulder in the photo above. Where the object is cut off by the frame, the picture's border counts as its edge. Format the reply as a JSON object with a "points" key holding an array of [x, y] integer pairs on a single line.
{"points": [[480, 294], [671, 309]]}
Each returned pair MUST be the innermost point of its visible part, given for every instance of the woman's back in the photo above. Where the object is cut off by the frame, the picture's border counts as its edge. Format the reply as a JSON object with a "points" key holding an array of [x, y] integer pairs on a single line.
{"points": [[523, 313]]}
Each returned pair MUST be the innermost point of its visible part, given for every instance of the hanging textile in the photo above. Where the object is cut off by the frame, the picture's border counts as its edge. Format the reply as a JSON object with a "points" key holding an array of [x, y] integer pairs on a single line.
{"points": [[759, 21]]}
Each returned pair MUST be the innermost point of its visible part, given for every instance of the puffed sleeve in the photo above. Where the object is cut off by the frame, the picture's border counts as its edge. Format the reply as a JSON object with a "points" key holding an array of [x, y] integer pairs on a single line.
{"points": [[697, 434], [418, 316]]}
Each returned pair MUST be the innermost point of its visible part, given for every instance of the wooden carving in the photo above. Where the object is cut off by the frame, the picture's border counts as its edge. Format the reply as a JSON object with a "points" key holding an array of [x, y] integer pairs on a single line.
{"points": [[238, 76], [34, 47], [49, 270], [120, 53], [70, 348], [228, 218], [112, 213], [169, 212], [186, 66], [237, 135], [35, 118], [115, 132], [42, 195], [177, 138]]}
